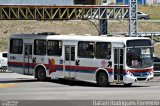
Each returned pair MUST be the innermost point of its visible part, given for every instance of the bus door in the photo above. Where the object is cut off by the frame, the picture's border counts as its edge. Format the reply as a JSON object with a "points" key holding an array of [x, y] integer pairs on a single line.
{"points": [[27, 66], [69, 61], [118, 63]]}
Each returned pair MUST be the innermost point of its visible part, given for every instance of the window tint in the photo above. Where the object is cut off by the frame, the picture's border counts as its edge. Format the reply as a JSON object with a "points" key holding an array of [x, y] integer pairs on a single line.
{"points": [[104, 1], [69, 53], [28, 49], [139, 42], [16, 46], [156, 59], [4, 55], [40, 47], [86, 49], [139, 57], [103, 50], [54, 48]]}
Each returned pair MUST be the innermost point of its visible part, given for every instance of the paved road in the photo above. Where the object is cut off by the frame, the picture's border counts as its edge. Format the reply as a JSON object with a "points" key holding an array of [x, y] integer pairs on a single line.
{"points": [[20, 87]]}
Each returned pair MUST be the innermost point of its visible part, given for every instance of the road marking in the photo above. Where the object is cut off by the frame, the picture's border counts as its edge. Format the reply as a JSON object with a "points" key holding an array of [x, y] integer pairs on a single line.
{"points": [[7, 85]]}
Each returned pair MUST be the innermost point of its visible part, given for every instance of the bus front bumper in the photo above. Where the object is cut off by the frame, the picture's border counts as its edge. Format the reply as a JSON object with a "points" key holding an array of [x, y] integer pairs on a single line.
{"points": [[147, 78], [129, 79]]}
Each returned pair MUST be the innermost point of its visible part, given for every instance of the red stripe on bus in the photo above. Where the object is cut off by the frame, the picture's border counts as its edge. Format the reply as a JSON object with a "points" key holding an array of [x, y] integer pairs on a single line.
{"points": [[21, 64], [140, 70], [59, 66]]}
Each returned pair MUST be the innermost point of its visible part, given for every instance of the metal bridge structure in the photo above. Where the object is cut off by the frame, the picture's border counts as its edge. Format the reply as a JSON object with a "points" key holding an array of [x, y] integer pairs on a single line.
{"points": [[133, 22], [75, 12]]}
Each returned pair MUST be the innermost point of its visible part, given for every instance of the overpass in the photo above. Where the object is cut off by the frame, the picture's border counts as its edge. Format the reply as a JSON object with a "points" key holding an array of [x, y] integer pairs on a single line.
{"points": [[78, 12], [75, 12]]}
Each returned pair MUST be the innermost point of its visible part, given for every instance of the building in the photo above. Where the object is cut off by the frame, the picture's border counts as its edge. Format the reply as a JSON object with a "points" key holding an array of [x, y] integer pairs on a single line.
{"points": [[36, 2], [152, 2], [85, 2], [57, 2], [140, 2], [108, 2], [93, 2]]}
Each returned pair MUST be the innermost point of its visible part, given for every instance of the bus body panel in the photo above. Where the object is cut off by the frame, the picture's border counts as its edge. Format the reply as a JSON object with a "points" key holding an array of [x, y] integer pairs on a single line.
{"points": [[70, 64]]}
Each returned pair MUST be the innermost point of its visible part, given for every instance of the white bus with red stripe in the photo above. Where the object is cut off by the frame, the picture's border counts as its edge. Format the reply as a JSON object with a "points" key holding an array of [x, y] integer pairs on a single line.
{"points": [[95, 58]]}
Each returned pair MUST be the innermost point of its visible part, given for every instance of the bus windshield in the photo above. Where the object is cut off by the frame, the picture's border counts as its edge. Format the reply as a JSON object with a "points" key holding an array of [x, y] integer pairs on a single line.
{"points": [[139, 57]]}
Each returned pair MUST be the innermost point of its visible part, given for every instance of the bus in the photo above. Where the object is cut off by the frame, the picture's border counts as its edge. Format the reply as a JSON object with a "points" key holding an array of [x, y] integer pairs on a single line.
{"points": [[100, 59]]}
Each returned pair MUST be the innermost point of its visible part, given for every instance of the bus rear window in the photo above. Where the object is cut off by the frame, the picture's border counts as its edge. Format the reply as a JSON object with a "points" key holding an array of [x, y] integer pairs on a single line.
{"points": [[16, 46]]}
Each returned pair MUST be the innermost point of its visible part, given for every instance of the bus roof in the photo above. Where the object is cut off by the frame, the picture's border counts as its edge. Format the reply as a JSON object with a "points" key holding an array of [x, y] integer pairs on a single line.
{"points": [[77, 37]]}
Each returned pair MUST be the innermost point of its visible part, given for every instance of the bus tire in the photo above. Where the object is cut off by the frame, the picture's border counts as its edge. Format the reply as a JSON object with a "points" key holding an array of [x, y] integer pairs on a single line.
{"points": [[128, 85], [48, 78], [102, 79], [4, 70], [40, 74]]}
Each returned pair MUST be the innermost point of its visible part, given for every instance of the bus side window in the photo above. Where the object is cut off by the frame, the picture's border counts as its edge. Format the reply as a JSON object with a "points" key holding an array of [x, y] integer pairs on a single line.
{"points": [[40, 47], [86, 49], [103, 50], [54, 48], [16, 46]]}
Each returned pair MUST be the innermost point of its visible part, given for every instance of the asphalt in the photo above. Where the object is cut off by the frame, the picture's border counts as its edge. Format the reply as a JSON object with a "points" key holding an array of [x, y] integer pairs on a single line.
{"points": [[21, 87]]}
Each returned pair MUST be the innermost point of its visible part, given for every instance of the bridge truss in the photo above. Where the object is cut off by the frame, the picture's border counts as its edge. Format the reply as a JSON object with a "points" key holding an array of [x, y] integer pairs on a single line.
{"points": [[77, 12]]}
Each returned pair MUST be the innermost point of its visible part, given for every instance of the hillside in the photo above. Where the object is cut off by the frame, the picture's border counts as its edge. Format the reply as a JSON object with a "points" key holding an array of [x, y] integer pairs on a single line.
{"points": [[153, 11], [65, 27]]}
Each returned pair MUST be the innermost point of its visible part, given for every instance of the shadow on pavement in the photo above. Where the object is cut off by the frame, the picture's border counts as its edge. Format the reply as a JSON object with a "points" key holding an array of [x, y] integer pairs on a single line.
{"points": [[67, 82], [17, 80], [89, 84]]}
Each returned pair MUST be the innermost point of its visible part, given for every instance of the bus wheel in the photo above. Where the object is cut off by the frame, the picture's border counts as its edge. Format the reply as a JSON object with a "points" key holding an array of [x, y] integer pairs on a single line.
{"points": [[102, 79], [40, 74], [4, 70], [128, 85]]}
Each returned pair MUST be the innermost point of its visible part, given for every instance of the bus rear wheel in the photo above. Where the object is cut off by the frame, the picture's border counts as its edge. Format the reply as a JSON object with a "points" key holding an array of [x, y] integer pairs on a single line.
{"points": [[40, 74], [102, 79]]}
